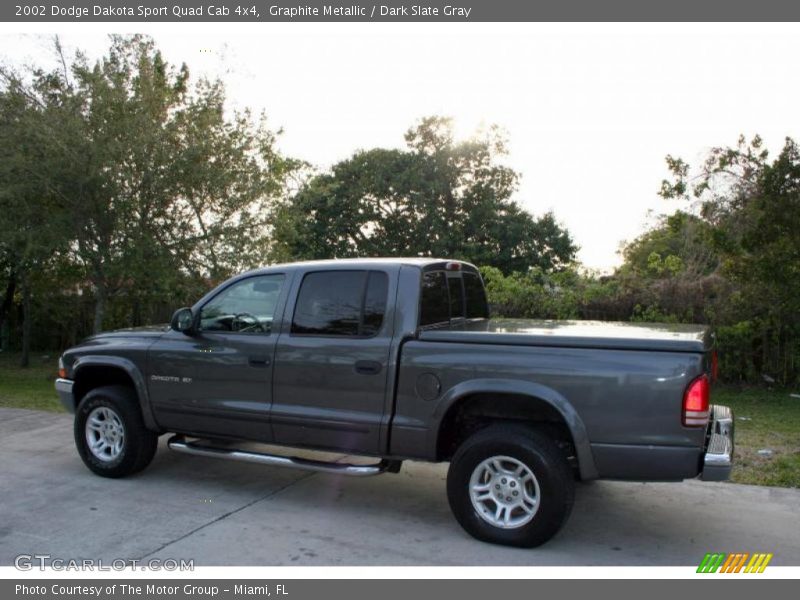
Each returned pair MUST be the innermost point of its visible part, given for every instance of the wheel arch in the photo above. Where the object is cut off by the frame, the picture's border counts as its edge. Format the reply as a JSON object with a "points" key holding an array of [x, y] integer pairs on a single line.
{"points": [[514, 399], [91, 372]]}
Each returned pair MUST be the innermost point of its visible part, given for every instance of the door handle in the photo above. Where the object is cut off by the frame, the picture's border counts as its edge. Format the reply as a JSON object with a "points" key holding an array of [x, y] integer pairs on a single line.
{"points": [[259, 361], [368, 367]]}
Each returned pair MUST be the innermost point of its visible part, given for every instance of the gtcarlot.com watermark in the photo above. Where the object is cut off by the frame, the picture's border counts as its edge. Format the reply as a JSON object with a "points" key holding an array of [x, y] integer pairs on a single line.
{"points": [[29, 562]]}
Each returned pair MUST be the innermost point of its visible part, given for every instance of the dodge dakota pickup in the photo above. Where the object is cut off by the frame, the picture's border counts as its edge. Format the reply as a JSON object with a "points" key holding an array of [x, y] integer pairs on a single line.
{"points": [[398, 359]]}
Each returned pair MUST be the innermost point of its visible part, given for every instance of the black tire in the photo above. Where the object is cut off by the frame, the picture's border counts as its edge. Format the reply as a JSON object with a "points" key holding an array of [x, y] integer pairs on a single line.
{"points": [[536, 451], [139, 444]]}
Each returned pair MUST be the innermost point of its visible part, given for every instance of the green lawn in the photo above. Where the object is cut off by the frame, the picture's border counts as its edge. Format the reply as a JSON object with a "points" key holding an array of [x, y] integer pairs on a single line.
{"points": [[31, 387], [765, 419]]}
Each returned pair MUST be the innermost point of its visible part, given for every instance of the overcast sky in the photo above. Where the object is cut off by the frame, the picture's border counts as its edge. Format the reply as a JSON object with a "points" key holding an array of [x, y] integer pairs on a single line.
{"points": [[590, 110]]}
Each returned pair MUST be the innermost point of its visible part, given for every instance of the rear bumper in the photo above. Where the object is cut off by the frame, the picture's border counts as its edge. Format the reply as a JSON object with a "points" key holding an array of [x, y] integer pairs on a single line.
{"points": [[64, 389], [718, 456]]}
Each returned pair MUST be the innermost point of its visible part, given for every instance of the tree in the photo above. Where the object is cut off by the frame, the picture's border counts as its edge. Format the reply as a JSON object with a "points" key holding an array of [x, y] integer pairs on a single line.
{"points": [[32, 229], [154, 180], [438, 197], [751, 203], [679, 243]]}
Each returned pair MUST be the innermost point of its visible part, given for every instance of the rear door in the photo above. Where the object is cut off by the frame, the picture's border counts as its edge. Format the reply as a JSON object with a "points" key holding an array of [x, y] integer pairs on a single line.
{"points": [[331, 360]]}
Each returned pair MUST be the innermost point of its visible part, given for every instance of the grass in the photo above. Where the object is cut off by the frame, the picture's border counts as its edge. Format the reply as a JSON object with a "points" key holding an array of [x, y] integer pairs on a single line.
{"points": [[31, 387], [765, 419]]}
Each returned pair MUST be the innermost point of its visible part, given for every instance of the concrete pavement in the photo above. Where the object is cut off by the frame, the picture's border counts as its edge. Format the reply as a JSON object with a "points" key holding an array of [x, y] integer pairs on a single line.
{"points": [[225, 513]]}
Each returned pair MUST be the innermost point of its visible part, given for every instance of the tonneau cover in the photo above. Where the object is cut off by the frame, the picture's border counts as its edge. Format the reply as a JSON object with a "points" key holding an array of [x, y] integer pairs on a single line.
{"points": [[665, 337]]}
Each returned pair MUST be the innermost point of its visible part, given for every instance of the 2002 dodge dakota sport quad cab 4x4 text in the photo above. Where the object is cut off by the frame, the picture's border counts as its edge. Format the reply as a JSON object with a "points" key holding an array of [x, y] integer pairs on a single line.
{"points": [[398, 359]]}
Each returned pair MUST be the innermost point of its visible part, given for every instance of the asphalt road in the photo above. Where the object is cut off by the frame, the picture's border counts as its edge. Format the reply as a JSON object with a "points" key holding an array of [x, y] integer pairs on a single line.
{"points": [[225, 513]]}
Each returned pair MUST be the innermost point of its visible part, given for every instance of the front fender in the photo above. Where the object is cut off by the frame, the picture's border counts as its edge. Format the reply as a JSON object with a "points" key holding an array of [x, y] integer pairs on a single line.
{"points": [[575, 424], [132, 370]]}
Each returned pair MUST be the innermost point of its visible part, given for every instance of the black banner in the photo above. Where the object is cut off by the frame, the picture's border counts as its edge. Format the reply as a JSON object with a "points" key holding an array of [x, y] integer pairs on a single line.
{"points": [[398, 11], [341, 589]]}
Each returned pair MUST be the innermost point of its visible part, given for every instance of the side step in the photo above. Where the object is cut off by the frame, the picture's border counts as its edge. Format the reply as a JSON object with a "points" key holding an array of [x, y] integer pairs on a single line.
{"points": [[180, 444]]}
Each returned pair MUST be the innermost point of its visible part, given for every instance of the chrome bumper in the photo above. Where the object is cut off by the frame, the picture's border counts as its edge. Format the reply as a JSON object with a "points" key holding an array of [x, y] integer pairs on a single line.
{"points": [[718, 458], [64, 389]]}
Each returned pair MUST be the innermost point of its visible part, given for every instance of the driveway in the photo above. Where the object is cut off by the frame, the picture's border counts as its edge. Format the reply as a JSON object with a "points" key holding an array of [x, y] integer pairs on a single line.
{"points": [[225, 513]]}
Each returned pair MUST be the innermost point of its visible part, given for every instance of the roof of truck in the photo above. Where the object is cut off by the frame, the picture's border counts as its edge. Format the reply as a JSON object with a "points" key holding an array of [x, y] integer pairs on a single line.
{"points": [[418, 261], [390, 263]]}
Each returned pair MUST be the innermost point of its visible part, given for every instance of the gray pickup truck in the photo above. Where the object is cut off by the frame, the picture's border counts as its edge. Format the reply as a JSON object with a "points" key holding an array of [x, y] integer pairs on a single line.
{"points": [[398, 359]]}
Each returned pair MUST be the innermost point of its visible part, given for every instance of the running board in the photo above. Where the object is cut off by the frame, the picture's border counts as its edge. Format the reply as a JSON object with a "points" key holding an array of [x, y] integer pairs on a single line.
{"points": [[179, 444]]}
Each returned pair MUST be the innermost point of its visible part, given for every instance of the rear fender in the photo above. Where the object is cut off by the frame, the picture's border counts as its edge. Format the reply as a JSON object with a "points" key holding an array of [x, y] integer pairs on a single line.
{"points": [[574, 423]]}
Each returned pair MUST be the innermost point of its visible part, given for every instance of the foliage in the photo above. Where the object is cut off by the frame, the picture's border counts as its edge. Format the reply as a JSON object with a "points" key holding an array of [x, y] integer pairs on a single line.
{"points": [[679, 243], [121, 179], [652, 314], [750, 203], [438, 197], [534, 294]]}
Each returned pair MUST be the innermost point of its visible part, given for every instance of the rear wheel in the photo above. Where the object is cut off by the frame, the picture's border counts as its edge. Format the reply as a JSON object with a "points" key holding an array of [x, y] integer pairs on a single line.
{"points": [[110, 434], [510, 485]]}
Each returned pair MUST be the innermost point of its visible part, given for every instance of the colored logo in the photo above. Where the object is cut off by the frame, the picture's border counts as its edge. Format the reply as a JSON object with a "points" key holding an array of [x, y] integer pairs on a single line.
{"points": [[738, 562]]}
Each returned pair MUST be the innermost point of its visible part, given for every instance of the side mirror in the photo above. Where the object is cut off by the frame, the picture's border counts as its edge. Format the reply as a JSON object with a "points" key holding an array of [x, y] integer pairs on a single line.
{"points": [[183, 321]]}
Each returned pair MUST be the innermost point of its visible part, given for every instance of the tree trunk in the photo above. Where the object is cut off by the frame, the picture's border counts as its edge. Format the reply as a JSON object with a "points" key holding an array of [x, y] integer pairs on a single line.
{"points": [[5, 307], [26, 325], [136, 312], [99, 308]]}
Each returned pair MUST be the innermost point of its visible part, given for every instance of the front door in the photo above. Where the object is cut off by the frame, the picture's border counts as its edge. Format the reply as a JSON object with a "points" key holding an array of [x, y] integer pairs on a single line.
{"points": [[331, 364], [218, 381]]}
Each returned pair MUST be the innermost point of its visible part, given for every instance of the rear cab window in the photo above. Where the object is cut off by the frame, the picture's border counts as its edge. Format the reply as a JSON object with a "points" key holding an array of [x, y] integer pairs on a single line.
{"points": [[434, 299], [446, 297], [456, 290], [475, 293]]}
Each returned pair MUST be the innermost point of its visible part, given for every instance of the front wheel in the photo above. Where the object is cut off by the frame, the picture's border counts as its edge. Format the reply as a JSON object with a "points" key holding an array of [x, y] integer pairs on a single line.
{"points": [[510, 485], [110, 434]]}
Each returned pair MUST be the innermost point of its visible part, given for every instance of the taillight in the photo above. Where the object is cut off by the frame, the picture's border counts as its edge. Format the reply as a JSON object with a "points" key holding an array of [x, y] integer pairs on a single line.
{"points": [[62, 371], [695, 402]]}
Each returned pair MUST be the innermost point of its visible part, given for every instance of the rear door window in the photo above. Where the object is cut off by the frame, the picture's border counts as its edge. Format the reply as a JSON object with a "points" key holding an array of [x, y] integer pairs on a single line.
{"points": [[374, 303], [341, 303]]}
